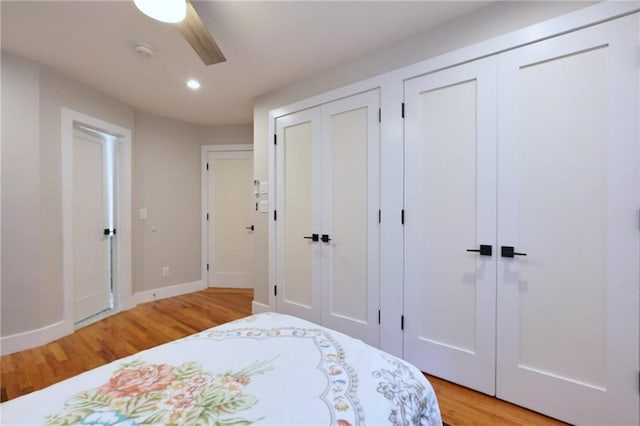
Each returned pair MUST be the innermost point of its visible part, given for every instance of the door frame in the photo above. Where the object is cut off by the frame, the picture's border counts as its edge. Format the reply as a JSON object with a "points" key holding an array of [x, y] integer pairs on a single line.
{"points": [[204, 185], [122, 278]]}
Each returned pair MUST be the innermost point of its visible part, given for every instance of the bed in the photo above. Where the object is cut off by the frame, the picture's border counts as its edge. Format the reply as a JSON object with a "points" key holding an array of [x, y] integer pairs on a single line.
{"points": [[268, 368]]}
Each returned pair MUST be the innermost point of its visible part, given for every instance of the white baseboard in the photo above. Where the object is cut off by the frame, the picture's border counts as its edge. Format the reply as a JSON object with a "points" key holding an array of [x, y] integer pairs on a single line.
{"points": [[32, 338], [258, 308], [170, 291], [41, 336]]}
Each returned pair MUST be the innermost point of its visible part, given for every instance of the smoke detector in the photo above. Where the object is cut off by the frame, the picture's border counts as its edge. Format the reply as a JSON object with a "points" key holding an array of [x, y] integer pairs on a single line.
{"points": [[144, 49]]}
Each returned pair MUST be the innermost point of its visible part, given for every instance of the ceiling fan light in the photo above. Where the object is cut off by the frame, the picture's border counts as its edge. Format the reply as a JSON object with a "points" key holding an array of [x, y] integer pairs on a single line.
{"points": [[170, 11]]}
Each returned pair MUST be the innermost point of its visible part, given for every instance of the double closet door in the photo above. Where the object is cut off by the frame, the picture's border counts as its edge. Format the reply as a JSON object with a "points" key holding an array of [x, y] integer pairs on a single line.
{"points": [[522, 247], [327, 203]]}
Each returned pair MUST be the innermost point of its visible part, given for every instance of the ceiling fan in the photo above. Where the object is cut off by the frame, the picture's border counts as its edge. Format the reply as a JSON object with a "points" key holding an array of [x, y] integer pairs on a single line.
{"points": [[184, 16]]}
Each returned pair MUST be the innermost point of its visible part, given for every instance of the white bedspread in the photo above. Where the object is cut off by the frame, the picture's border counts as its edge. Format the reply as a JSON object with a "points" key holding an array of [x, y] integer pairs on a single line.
{"points": [[267, 369]]}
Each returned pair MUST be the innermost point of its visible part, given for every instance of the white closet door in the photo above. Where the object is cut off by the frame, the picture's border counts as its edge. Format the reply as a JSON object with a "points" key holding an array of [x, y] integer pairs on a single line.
{"points": [[298, 214], [450, 205], [350, 203], [568, 159]]}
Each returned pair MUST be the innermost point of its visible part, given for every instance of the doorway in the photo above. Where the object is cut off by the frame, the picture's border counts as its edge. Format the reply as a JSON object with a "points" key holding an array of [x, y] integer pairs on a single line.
{"points": [[94, 230], [228, 203], [96, 211]]}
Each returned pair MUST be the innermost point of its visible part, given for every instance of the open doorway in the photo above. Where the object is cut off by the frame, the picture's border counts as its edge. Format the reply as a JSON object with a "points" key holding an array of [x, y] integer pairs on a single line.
{"points": [[96, 218]]}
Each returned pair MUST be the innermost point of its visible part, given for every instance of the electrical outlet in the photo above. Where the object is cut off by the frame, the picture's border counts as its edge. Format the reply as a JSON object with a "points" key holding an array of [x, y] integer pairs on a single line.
{"points": [[165, 271]]}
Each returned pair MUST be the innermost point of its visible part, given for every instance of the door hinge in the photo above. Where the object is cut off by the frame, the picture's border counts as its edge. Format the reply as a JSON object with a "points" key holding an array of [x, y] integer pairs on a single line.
{"points": [[207, 216], [275, 290], [403, 110], [402, 216], [401, 322], [207, 266], [207, 166], [275, 139], [378, 316], [379, 216], [275, 215], [379, 115]]}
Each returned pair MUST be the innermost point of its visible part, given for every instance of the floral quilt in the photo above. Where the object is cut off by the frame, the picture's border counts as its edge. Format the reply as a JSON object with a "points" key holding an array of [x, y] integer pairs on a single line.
{"points": [[265, 369]]}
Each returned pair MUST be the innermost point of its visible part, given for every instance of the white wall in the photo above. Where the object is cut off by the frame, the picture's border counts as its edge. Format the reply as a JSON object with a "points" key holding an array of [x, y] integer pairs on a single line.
{"points": [[493, 20]]}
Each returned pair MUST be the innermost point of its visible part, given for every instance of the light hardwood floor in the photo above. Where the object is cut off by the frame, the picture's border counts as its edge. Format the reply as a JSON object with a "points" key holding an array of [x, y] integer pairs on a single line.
{"points": [[154, 323]]}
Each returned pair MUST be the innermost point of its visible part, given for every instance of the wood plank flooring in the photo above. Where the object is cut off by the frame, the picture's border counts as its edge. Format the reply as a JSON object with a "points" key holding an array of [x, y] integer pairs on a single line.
{"points": [[158, 322]]}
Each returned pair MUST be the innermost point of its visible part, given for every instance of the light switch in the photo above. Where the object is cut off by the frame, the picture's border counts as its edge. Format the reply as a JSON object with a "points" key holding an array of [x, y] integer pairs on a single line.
{"points": [[143, 214], [264, 187], [264, 206]]}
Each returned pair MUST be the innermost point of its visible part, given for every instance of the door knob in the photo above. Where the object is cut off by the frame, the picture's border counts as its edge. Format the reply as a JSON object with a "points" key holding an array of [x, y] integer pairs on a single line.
{"points": [[313, 237], [249, 227], [484, 250], [508, 251]]}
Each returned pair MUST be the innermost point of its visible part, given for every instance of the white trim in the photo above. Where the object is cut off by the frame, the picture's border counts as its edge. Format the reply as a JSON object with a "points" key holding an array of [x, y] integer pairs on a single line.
{"points": [[204, 236], [392, 95], [258, 308], [570, 22], [271, 226], [588, 16], [123, 288], [169, 291], [32, 338]]}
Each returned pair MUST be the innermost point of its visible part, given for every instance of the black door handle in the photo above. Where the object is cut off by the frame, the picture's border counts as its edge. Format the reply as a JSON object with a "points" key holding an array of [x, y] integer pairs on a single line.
{"points": [[484, 250], [109, 232], [325, 238], [508, 251], [313, 237], [249, 227]]}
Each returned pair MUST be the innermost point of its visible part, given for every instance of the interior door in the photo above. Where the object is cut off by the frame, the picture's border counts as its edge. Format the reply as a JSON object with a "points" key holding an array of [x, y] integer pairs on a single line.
{"points": [[450, 224], [350, 203], [298, 225], [230, 231], [92, 222], [568, 280]]}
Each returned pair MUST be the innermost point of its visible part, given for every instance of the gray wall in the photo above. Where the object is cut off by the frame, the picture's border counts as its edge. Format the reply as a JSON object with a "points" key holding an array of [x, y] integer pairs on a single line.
{"points": [[491, 21], [166, 170], [32, 98], [166, 181]]}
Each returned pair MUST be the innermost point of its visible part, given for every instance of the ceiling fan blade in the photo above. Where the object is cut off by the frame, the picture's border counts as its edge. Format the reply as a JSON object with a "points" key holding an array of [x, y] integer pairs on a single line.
{"points": [[199, 37]]}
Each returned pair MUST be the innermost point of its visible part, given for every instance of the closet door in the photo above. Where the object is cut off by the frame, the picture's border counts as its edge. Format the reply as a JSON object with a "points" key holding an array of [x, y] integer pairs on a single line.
{"points": [[298, 177], [350, 203], [568, 278], [450, 209]]}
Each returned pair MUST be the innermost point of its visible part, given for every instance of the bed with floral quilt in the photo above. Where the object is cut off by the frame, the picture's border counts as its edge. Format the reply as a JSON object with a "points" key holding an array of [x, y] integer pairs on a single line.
{"points": [[268, 369]]}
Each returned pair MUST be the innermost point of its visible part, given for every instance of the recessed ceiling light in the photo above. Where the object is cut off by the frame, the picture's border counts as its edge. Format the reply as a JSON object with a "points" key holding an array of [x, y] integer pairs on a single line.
{"points": [[193, 84]]}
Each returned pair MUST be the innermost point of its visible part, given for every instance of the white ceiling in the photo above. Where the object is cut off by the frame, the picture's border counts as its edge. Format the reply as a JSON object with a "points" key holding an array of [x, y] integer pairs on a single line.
{"points": [[268, 44]]}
